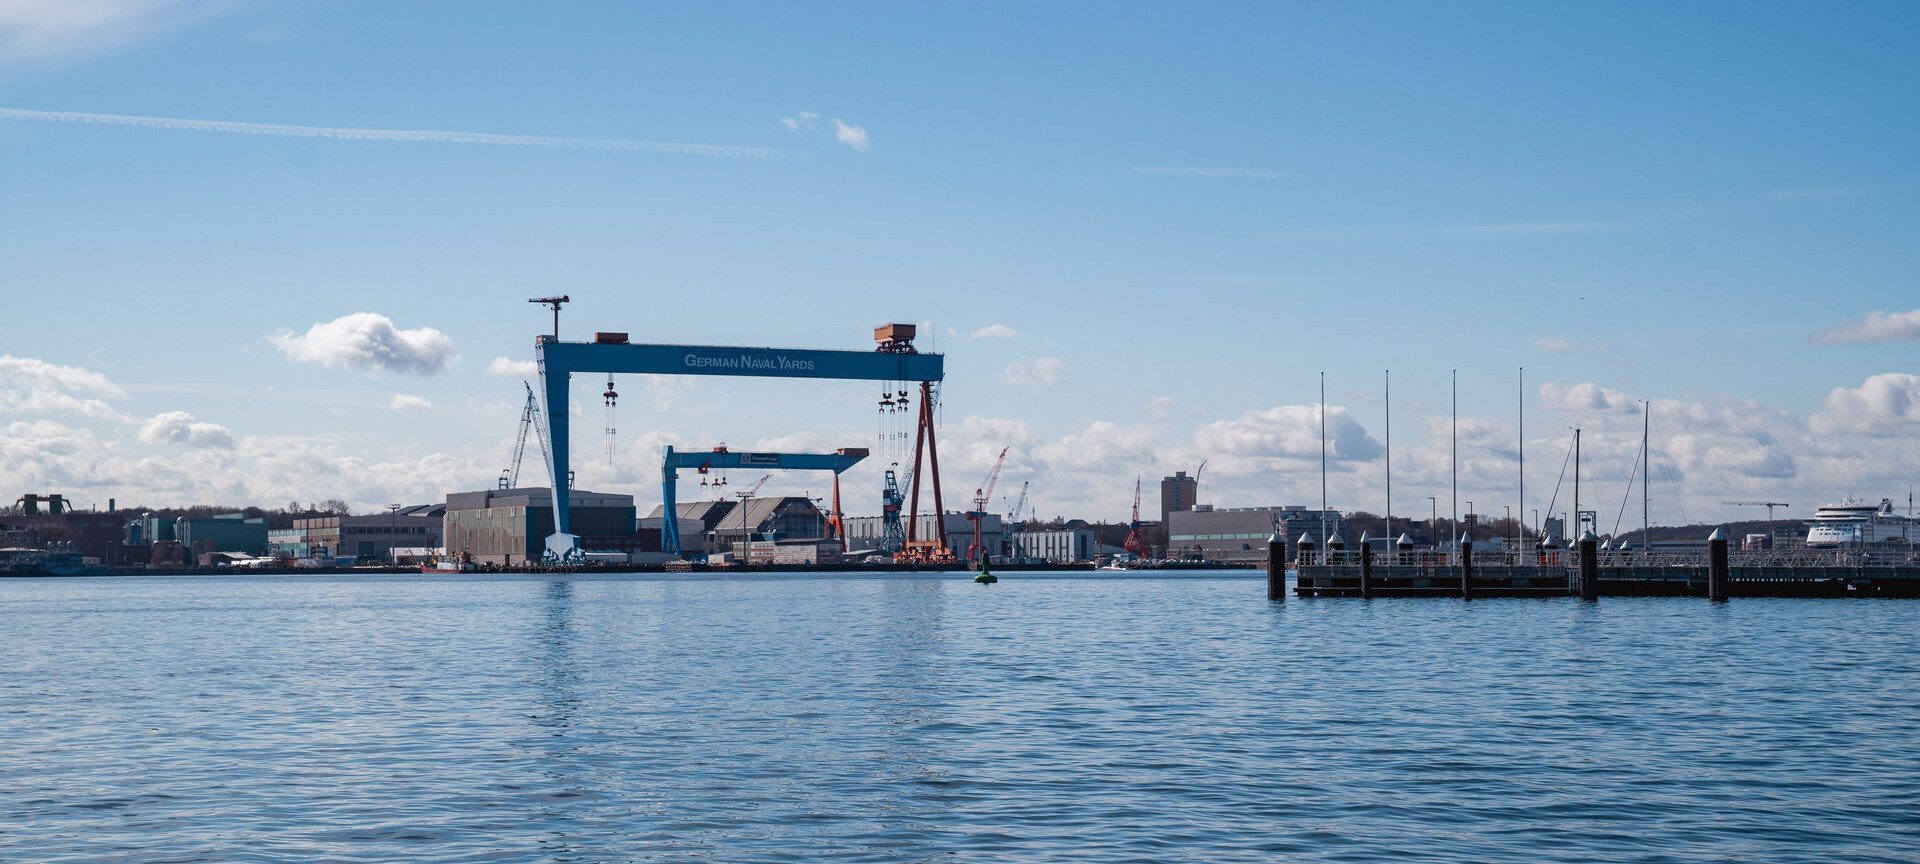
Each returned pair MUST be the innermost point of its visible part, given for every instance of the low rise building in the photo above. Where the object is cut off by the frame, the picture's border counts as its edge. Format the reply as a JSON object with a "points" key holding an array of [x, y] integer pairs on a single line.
{"points": [[1240, 534], [1055, 547], [370, 537], [511, 526]]}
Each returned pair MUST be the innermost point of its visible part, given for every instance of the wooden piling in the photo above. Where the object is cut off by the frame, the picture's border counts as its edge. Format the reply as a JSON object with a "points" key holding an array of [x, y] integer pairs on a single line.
{"points": [[1466, 566], [1717, 566], [1277, 567], [1366, 567], [1589, 567]]}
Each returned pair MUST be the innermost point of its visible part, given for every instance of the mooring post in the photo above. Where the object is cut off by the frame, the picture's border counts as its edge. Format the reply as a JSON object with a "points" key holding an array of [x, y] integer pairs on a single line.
{"points": [[1466, 566], [1277, 567], [1366, 566], [1717, 566], [1589, 566]]}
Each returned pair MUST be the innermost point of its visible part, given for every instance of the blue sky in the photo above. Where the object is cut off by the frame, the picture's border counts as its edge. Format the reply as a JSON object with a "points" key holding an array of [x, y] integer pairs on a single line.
{"points": [[1181, 216]]}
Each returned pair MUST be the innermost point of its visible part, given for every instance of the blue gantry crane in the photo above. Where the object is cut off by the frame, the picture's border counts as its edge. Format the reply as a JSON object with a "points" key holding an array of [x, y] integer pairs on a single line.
{"points": [[720, 458], [894, 360]]}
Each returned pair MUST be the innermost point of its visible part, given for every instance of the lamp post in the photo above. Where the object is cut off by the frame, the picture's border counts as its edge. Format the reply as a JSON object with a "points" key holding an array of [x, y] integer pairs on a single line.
{"points": [[1433, 521], [393, 528]]}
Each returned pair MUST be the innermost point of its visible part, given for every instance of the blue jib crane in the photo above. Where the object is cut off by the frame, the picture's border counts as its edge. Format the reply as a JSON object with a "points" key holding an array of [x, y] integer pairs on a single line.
{"points": [[894, 360], [721, 458]]}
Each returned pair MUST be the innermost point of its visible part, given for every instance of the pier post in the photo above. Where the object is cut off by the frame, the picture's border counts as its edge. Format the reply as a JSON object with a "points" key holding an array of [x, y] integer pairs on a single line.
{"points": [[1589, 566], [1466, 566], [1277, 567], [1717, 566], [1366, 566]]}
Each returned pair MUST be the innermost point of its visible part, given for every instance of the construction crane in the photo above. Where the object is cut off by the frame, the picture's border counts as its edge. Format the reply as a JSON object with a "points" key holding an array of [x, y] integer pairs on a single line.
{"points": [[510, 478], [1136, 545], [555, 302], [980, 498], [1015, 524], [1767, 504]]}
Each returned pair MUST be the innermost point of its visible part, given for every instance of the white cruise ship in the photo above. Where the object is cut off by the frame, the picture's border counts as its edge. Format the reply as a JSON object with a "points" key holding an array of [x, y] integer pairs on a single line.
{"points": [[1853, 522]]}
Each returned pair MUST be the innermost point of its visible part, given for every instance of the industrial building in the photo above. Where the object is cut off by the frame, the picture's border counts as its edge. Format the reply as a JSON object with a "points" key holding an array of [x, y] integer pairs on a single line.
{"points": [[696, 520], [789, 517], [1056, 547], [372, 536], [1240, 533], [864, 532], [510, 526], [42, 519]]}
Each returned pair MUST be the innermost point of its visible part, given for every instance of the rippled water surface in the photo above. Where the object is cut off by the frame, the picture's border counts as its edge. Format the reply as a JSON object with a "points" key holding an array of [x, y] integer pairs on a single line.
{"points": [[864, 718]]}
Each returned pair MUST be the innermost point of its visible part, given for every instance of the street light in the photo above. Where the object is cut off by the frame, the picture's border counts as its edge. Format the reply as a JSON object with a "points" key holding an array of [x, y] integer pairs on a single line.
{"points": [[393, 528], [1433, 522]]}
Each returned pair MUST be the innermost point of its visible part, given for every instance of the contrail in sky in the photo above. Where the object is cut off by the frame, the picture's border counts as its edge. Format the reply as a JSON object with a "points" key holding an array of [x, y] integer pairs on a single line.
{"points": [[1172, 171], [394, 134]]}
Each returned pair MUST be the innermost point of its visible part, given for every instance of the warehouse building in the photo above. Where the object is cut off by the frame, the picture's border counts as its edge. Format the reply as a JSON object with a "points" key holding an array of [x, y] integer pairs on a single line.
{"points": [[1240, 534], [511, 526]]}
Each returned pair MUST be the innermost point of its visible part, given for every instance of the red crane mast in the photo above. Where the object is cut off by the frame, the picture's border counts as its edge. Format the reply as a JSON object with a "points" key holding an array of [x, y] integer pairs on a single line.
{"points": [[1136, 544]]}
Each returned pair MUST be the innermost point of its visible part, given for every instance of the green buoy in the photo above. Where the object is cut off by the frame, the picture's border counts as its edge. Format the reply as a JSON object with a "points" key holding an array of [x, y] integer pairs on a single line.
{"points": [[985, 577]]}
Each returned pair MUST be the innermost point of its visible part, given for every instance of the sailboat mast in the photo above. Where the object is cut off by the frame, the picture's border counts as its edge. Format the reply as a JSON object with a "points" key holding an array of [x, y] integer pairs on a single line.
{"points": [[1576, 483], [1389, 400], [1454, 451], [1646, 474], [1519, 532], [1323, 460]]}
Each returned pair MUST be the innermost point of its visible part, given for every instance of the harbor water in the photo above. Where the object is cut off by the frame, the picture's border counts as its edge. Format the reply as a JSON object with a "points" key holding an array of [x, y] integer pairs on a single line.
{"points": [[1050, 717]]}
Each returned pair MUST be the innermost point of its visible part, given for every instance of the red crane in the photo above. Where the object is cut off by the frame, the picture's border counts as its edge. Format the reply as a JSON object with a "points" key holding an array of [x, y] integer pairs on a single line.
{"points": [[1135, 543], [979, 511]]}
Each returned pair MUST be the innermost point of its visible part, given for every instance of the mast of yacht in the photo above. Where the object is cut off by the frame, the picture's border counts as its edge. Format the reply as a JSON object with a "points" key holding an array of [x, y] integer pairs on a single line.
{"points": [[1576, 484], [1389, 401], [1454, 453], [1519, 529], [1646, 474], [1323, 464]]}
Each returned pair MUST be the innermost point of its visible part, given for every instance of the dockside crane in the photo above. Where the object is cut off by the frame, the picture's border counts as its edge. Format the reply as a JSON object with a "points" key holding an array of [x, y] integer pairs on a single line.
{"points": [[1015, 524], [1136, 544], [980, 498], [1767, 504], [530, 415]]}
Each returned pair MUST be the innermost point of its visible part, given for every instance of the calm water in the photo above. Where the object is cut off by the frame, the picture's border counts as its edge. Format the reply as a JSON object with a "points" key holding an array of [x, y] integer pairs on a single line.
{"points": [[923, 719]]}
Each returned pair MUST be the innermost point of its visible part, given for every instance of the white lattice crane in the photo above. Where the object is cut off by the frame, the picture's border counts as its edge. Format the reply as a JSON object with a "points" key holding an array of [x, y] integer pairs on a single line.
{"points": [[980, 498]]}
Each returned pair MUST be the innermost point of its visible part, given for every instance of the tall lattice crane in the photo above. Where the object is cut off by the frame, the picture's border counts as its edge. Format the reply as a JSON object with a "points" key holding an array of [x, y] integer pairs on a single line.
{"points": [[1015, 523], [980, 498], [1136, 544], [529, 420]]}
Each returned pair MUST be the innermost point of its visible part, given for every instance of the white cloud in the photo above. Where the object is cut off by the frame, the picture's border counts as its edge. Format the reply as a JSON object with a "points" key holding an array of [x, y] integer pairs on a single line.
{"points": [[45, 29], [399, 135], [409, 402], [513, 368], [1878, 326], [1556, 345], [852, 136], [179, 427], [1160, 407], [1173, 171], [803, 120], [1884, 404], [1050, 371], [31, 386], [1289, 431], [366, 341], [1585, 398], [994, 331]]}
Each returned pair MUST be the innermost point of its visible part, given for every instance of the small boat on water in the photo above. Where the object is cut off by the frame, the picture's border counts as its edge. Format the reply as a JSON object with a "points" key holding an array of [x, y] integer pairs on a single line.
{"points": [[461, 563]]}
